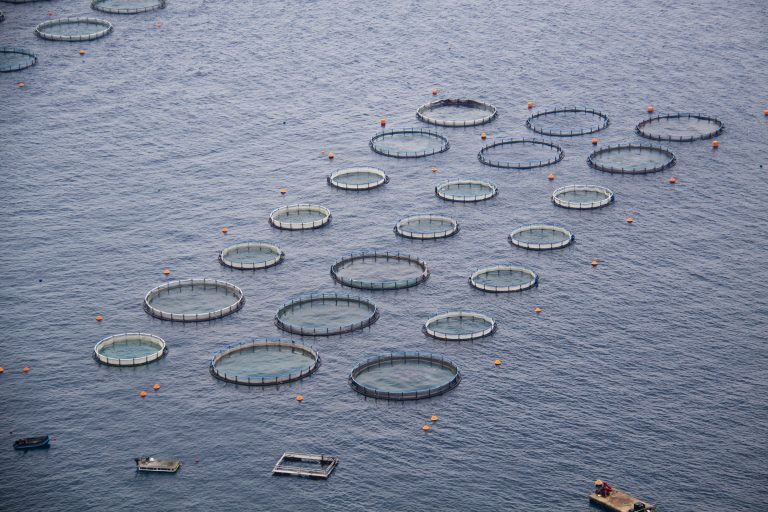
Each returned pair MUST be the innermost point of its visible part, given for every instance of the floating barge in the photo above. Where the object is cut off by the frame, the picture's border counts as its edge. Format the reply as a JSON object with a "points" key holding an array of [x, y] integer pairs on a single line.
{"points": [[30, 443], [305, 464], [153, 465], [620, 501]]}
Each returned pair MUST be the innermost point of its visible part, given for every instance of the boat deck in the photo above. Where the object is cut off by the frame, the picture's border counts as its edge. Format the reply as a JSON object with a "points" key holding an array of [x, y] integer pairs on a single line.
{"points": [[619, 501], [305, 464], [156, 465]]}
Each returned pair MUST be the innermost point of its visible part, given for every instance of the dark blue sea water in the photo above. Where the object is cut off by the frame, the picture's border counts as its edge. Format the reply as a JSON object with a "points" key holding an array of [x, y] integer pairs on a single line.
{"points": [[649, 371]]}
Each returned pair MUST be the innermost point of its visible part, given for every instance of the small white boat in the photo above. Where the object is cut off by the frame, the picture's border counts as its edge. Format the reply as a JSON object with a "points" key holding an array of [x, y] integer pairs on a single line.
{"points": [[156, 465]]}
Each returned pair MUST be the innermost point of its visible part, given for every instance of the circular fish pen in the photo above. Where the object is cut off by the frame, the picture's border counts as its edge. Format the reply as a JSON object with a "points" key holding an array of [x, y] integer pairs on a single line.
{"points": [[459, 326], [405, 376], [503, 278], [408, 143], [456, 112], [300, 216], [358, 178], [520, 153], [540, 237], [466, 191], [326, 314], [264, 362], [427, 227], [15, 59], [193, 300], [567, 121], [127, 6], [129, 349], [374, 270], [582, 197], [680, 127], [73, 29], [631, 159], [251, 255]]}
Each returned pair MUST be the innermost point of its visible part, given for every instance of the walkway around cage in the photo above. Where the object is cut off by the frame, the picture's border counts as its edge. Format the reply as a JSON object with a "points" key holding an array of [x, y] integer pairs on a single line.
{"points": [[229, 256], [167, 288], [159, 349], [561, 237], [601, 125], [481, 279], [422, 114], [45, 30], [394, 357], [341, 178], [114, 6], [565, 197], [450, 227], [431, 326], [594, 159], [388, 284], [368, 319], [278, 215], [449, 189], [560, 154], [440, 143], [644, 128], [271, 380]]}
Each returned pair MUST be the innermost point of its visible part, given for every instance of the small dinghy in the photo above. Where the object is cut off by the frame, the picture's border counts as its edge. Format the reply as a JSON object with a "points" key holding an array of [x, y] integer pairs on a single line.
{"points": [[156, 465], [29, 443]]}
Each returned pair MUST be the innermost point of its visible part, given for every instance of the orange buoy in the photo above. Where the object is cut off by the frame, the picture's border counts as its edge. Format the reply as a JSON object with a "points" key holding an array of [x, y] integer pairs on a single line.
{"points": [[672, 180], [594, 141], [434, 92], [434, 169], [425, 428], [650, 109], [50, 13], [594, 263], [434, 418], [82, 52], [21, 84], [383, 122], [158, 24], [483, 136], [225, 230], [25, 369], [765, 112], [551, 177], [283, 190], [497, 362], [299, 398], [2, 369], [156, 387], [715, 144], [166, 271], [530, 104], [331, 155], [537, 310], [99, 318], [630, 220], [142, 394]]}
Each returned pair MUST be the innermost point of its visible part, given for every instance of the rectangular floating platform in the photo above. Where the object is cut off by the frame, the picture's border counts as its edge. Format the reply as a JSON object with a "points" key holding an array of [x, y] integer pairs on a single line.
{"points": [[323, 465], [157, 466], [620, 501]]}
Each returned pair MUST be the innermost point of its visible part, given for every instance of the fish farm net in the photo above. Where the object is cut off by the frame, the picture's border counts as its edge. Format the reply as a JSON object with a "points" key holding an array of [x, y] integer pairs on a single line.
{"points": [[193, 300], [427, 227], [582, 197], [503, 278], [378, 270], [408, 143], [459, 326], [358, 178], [540, 237], [520, 153], [300, 216], [631, 159], [326, 314], [251, 255], [73, 29], [15, 59], [129, 349], [127, 6], [466, 191], [405, 376], [680, 127], [567, 121], [264, 362], [456, 112]]}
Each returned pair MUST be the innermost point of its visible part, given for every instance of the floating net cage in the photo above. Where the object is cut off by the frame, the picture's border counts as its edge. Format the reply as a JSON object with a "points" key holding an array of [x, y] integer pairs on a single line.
{"points": [[427, 227], [264, 362], [300, 216], [503, 278], [73, 29], [567, 121], [408, 143], [326, 314], [680, 127], [129, 349], [405, 376], [631, 159], [193, 300], [251, 255], [358, 178], [582, 197], [460, 326], [520, 153], [456, 112], [466, 191], [15, 59], [380, 270], [541, 237], [127, 6]]}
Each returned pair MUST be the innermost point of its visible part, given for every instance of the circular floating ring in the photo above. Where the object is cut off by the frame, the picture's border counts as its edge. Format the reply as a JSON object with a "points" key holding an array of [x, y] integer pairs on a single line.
{"points": [[405, 376], [631, 159], [300, 216], [264, 362], [680, 127], [73, 29], [251, 255], [582, 197], [456, 112], [503, 278], [532, 153], [540, 237], [15, 59], [567, 121], [460, 326], [358, 178], [466, 191], [326, 314], [193, 300], [408, 143], [427, 227], [129, 349], [127, 6], [373, 270]]}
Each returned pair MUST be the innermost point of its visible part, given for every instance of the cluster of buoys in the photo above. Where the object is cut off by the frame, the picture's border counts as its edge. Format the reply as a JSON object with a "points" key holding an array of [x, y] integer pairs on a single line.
{"points": [[26, 369]]}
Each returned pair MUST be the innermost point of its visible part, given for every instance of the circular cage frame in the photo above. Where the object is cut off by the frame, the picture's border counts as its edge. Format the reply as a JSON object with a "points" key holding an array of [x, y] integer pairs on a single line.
{"points": [[459, 337], [135, 361], [40, 29], [95, 5], [383, 178], [415, 394], [422, 112], [466, 199], [583, 188], [279, 256], [297, 226], [507, 165], [343, 329], [503, 289], [445, 145], [679, 115], [571, 133], [20, 51], [398, 284], [398, 229], [620, 170], [197, 317], [541, 246], [274, 380]]}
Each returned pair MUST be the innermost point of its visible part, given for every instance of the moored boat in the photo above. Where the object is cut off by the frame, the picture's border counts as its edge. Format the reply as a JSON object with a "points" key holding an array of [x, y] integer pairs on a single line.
{"points": [[29, 443], [154, 465]]}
